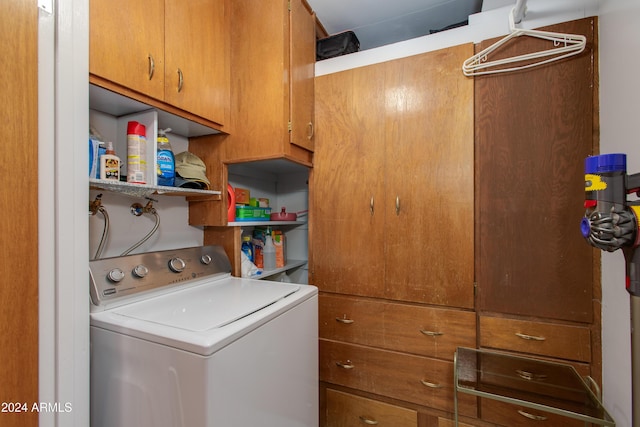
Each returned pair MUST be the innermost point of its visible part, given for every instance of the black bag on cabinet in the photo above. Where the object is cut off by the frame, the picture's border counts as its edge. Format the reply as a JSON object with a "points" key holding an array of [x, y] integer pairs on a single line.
{"points": [[337, 45]]}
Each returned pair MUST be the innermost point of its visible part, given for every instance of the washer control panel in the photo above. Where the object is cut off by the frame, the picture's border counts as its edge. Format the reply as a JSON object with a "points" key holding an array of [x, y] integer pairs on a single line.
{"points": [[126, 276]]}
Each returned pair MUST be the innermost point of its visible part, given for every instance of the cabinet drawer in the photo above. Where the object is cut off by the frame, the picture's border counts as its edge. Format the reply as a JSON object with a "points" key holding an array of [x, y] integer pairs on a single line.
{"points": [[445, 422], [411, 378], [348, 410], [427, 331], [508, 414], [545, 339]]}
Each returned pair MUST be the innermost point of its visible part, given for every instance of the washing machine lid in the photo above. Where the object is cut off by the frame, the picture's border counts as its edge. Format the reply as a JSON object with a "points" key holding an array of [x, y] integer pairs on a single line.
{"points": [[209, 306]]}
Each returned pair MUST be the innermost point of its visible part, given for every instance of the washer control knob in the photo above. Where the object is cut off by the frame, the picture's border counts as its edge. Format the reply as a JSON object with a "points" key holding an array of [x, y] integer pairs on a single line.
{"points": [[115, 275], [140, 271], [205, 259], [177, 265]]}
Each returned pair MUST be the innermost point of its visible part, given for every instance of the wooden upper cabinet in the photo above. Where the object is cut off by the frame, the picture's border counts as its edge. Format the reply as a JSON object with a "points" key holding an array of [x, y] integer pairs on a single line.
{"points": [[196, 57], [172, 52], [126, 44], [303, 58], [393, 183], [532, 258], [273, 59]]}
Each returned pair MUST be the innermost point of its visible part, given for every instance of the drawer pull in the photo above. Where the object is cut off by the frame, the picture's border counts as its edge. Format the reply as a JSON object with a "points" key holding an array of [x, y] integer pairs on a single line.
{"points": [[530, 337], [180, 80], [431, 333], [346, 365], [152, 66], [430, 385], [531, 416], [344, 320], [368, 421], [530, 376]]}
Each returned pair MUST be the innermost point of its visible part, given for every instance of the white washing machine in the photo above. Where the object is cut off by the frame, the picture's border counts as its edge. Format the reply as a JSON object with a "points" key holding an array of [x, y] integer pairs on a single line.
{"points": [[177, 341]]}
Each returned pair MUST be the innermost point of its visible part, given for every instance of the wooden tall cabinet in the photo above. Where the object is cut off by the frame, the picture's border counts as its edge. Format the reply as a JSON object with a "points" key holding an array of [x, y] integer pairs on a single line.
{"points": [[446, 214], [392, 235], [273, 58], [164, 49]]}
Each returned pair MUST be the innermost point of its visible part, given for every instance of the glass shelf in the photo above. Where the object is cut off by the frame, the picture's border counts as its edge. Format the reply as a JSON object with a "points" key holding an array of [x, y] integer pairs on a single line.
{"points": [[537, 384]]}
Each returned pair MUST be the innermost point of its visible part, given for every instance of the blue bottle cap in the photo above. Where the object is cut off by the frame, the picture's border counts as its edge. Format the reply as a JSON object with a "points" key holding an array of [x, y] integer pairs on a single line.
{"points": [[603, 163]]}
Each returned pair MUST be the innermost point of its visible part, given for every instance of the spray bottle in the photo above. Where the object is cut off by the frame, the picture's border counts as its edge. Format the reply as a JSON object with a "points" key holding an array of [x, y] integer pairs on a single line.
{"points": [[136, 153], [166, 164]]}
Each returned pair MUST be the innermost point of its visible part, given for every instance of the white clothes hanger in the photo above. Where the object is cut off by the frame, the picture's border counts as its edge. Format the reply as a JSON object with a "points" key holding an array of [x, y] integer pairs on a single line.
{"points": [[565, 45]]}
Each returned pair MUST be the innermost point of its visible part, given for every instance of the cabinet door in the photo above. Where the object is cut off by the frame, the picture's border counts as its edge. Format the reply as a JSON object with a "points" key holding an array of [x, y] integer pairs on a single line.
{"points": [[532, 259], [347, 192], [197, 58], [303, 58], [126, 44], [429, 209]]}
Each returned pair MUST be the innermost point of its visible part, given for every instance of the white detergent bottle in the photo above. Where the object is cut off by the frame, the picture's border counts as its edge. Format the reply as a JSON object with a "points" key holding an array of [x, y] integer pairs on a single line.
{"points": [[269, 253], [110, 164]]}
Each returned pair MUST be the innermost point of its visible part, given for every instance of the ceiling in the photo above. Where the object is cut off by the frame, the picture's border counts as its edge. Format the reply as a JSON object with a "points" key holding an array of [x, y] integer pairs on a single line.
{"points": [[381, 22]]}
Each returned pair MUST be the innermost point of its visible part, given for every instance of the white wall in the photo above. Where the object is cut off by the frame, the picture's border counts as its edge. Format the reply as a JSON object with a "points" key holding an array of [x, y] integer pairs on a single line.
{"points": [[482, 26], [126, 229], [619, 45], [619, 105]]}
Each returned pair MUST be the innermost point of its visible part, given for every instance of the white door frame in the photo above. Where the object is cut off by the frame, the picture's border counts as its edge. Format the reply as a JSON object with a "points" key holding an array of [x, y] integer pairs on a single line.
{"points": [[63, 127]]}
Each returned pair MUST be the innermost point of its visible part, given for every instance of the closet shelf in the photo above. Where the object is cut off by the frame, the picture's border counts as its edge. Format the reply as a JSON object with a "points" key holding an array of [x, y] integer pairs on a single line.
{"points": [[144, 190], [291, 264]]}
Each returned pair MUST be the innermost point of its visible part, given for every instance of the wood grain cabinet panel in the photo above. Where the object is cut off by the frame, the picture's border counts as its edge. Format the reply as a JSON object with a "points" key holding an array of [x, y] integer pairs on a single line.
{"points": [[126, 44], [544, 339], [423, 330], [272, 81], [506, 414], [533, 131], [175, 53], [348, 410], [416, 379], [393, 181]]}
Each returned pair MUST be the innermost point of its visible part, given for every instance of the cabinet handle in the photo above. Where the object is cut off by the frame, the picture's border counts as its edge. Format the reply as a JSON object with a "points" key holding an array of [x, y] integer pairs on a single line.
{"points": [[180, 80], [368, 421], [430, 384], [344, 320], [530, 337], [397, 205], [152, 66], [310, 133], [371, 206], [346, 365], [431, 333], [530, 376], [531, 416]]}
